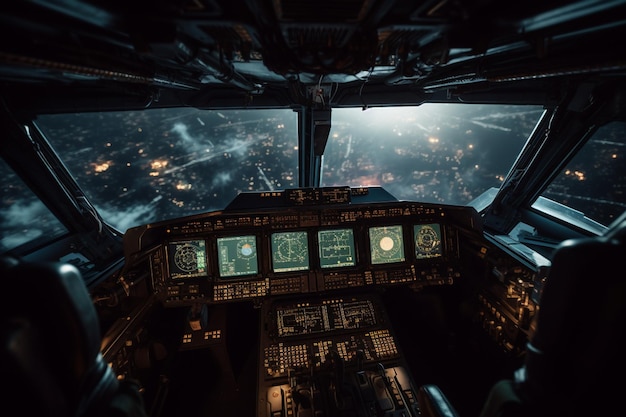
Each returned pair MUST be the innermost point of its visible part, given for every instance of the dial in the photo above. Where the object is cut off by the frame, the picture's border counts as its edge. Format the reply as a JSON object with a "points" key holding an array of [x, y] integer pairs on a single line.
{"points": [[427, 241], [290, 251], [386, 244]]}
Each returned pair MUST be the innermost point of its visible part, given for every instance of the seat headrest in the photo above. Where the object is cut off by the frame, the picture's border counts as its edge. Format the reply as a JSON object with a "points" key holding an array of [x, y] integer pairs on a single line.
{"points": [[50, 339], [577, 344]]}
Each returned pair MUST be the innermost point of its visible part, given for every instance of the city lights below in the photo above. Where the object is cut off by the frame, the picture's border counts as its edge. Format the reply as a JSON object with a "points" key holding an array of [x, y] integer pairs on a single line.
{"points": [[183, 186], [580, 176], [101, 167], [158, 164]]}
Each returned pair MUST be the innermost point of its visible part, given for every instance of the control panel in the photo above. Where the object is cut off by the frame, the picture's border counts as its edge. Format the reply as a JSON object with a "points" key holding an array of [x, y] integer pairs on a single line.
{"points": [[508, 303], [332, 357], [381, 392], [308, 244]]}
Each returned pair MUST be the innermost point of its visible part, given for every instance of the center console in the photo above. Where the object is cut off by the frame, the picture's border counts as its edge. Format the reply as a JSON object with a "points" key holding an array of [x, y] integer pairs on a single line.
{"points": [[331, 357]]}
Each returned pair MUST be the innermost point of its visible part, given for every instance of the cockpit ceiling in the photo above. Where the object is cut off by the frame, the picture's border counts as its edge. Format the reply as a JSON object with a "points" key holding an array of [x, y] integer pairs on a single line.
{"points": [[277, 47]]}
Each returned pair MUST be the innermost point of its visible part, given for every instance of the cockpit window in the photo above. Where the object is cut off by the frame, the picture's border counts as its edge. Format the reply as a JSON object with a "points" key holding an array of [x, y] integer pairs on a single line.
{"points": [[138, 167], [23, 217], [593, 182], [435, 153]]}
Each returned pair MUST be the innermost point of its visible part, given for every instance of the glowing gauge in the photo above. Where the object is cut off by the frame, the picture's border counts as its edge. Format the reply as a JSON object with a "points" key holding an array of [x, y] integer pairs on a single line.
{"points": [[237, 255], [246, 249], [386, 244], [290, 251], [187, 258], [427, 241]]}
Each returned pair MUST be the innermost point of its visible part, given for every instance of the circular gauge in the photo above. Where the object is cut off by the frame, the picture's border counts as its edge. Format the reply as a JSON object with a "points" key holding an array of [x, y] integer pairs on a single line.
{"points": [[246, 249], [290, 247], [427, 241], [237, 255], [386, 244], [186, 258]]}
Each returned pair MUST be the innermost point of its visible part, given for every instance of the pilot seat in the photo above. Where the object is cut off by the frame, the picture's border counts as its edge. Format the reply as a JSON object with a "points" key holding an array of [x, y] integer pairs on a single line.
{"points": [[574, 364], [51, 360]]}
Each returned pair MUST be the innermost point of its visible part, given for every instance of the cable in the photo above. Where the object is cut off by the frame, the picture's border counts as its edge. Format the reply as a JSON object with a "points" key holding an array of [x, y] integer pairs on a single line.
{"points": [[365, 80]]}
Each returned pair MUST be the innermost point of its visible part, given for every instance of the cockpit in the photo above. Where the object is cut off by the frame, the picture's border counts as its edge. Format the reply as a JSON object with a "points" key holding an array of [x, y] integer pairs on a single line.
{"points": [[269, 209]]}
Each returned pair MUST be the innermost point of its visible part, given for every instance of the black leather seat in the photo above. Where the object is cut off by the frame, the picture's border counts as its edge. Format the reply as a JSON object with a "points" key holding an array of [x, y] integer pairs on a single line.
{"points": [[575, 362], [50, 359]]}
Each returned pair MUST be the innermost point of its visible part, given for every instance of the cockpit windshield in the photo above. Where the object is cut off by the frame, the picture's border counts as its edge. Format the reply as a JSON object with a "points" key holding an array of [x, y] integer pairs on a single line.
{"points": [[144, 166], [435, 153], [139, 167]]}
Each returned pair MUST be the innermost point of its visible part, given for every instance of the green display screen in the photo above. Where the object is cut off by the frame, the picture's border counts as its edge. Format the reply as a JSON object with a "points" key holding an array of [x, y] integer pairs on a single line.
{"points": [[237, 255], [290, 251], [336, 248], [386, 244], [427, 240], [187, 258]]}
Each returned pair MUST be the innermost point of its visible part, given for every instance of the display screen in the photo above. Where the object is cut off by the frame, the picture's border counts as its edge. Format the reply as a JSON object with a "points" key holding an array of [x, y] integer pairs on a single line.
{"points": [[290, 251], [187, 258], [386, 244], [427, 240], [237, 255], [336, 248]]}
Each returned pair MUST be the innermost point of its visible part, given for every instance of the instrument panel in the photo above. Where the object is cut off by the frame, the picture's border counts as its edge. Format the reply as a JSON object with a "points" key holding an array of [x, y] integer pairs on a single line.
{"points": [[506, 306], [302, 247]]}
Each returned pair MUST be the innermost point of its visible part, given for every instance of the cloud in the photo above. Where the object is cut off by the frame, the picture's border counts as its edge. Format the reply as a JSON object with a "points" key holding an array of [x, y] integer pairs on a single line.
{"points": [[238, 147], [14, 240], [221, 179], [189, 142], [123, 219], [19, 220], [204, 150], [23, 213]]}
